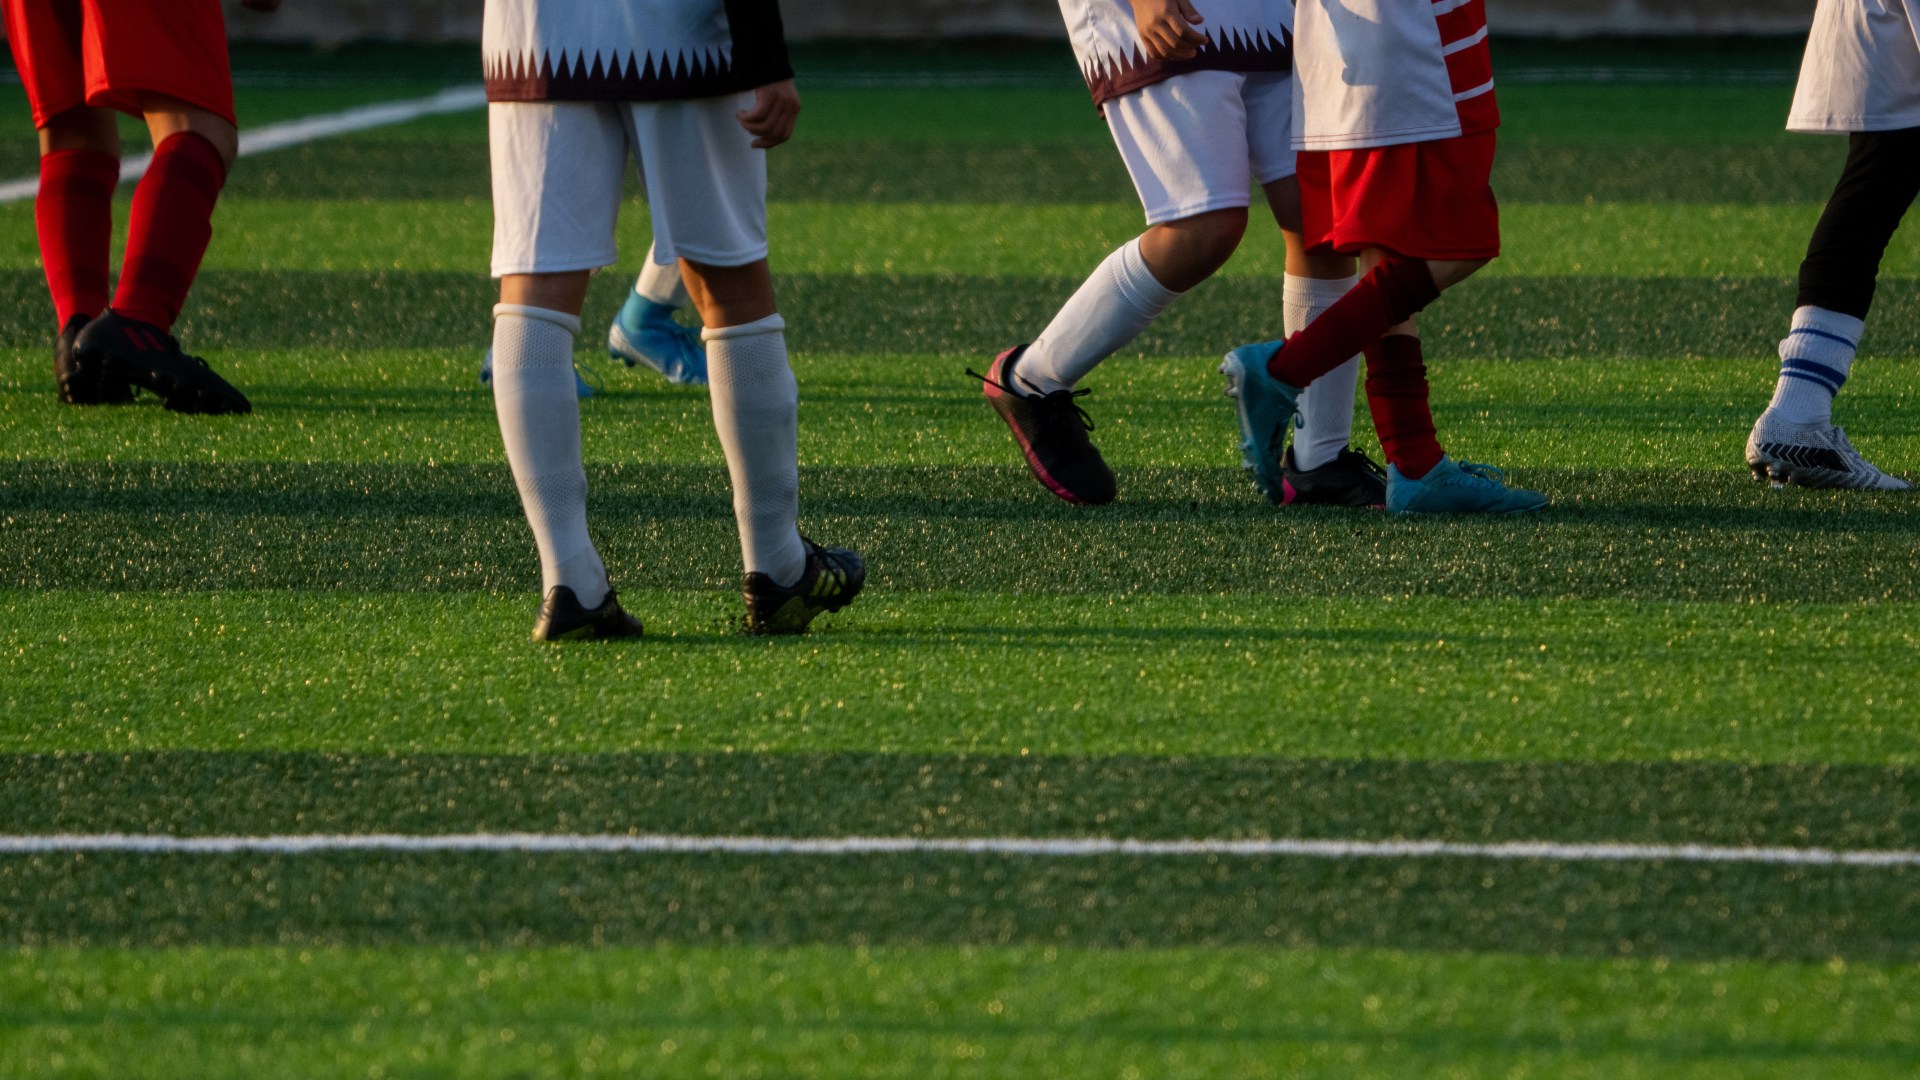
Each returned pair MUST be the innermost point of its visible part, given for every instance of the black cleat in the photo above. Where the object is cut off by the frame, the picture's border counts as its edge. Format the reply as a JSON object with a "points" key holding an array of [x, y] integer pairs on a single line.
{"points": [[563, 619], [114, 346], [1350, 479], [1052, 432], [78, 387], [833, 577]]}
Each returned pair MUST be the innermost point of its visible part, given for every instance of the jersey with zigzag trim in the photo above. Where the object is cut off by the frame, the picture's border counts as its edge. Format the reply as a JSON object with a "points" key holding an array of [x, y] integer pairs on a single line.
{"points": [[1243, 35], [630, 50]]}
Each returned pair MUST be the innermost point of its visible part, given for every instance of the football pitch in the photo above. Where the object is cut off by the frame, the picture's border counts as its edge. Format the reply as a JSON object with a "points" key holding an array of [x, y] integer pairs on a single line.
{"points": [[311, 622]]}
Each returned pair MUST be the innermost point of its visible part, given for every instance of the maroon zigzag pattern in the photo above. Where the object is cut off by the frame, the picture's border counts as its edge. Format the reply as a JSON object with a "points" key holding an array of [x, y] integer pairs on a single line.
{"points": [[1230, 50], [628, 77]]}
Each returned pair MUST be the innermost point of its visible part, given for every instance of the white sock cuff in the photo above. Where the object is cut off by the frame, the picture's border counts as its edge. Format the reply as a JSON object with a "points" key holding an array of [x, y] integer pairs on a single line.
{"points": [[772, 324], [1317, 294], [1136, 281], [1830, 322], [569, 323]]}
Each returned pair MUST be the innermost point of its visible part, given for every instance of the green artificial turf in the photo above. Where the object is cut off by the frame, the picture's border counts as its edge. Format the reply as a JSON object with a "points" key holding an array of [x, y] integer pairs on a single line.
{"points": [[312, 620]]}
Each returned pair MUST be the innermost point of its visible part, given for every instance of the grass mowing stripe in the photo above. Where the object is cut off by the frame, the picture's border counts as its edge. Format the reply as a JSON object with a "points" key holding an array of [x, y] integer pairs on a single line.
{"points": [[1060, 847], [980, 673], [670, 1010], [1603, 240], [1645, 535], [1591, 318], [495, 899], [189, 793]]}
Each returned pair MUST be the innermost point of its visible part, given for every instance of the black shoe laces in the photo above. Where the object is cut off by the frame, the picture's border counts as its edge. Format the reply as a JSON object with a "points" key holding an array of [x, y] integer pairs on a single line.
{"points": [[1367, 464], [1058, 402]]}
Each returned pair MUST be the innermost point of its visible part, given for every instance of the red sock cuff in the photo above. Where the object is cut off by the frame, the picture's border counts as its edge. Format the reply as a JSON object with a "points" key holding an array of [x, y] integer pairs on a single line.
{"points": [[195, 157], [97, 170]]}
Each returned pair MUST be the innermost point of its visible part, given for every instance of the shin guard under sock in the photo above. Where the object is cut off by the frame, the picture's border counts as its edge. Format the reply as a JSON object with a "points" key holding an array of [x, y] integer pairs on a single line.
{"points": [[1397, 398], [73, 215], [168, 229]]}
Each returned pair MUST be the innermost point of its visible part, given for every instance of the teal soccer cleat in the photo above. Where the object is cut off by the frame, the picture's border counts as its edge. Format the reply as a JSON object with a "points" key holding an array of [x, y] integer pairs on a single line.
{"points": [[645, 333], [1459, 488], [1265, 406]]}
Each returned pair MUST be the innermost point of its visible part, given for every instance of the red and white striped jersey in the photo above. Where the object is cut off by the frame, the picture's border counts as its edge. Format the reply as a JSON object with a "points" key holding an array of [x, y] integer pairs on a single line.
{"points": [[630, 50], [1243, 35], [1386, 72]]}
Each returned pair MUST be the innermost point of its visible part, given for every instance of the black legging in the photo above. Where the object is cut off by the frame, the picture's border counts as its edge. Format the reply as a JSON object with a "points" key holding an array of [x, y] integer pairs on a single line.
{"points": [[1881, 180]]}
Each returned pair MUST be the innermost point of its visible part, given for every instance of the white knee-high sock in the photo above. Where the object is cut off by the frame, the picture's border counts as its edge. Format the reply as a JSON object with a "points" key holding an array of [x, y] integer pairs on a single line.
{"points": [[756, 410], [1325, 411], [1119, 301], [661, 284], [1815, 359], [533, 395]]}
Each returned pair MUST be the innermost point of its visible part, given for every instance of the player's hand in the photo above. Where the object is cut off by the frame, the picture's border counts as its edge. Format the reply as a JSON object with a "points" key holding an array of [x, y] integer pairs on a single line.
{"points": [[1167, 28], [775, 107], [260, 5]]}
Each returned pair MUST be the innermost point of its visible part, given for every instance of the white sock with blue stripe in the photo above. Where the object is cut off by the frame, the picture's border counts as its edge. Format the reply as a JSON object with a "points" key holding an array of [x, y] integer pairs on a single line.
{"points": [[1814, 360]]}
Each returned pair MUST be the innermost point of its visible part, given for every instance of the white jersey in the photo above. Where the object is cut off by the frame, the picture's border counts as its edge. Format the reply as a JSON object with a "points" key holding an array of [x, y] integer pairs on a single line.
{"points": [[1387, 72], [1861, 71], [1243, 35], [630, 50]]}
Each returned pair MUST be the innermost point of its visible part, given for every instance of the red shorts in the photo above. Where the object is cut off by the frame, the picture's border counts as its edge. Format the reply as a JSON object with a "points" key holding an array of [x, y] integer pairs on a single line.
{"points": [[105, 53], [1425, 200]]}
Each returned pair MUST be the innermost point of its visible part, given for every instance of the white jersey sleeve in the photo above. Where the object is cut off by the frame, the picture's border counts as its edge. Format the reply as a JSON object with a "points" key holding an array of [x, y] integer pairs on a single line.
{"points": [[630, 50], [1861, 71], [1386, 72]]}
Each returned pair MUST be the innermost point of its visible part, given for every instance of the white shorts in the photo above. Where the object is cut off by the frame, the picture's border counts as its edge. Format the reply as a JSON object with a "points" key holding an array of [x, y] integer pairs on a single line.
{"points": [[1199, 141], [1861, 71], [559, 168]]}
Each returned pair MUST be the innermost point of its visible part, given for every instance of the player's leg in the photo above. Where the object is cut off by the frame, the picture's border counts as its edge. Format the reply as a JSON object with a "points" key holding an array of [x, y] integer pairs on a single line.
{"points": [[1320, 464], [168, 63], [646, 332], [557, 171], [707, 192], [73, 216], [1794, 440], [1425, 219], [1184, 144], [79, 166]]}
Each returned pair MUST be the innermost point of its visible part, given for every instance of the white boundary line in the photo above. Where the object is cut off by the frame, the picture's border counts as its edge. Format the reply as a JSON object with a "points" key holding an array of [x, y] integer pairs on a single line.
{"points": [[1035, 847], [296, 132]]}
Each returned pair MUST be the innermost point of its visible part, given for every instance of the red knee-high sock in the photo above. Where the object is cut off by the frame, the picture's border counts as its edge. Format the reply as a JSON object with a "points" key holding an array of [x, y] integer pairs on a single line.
{"points": [[1389, 295], [74, 217], [168, 230], [1397, 397]]}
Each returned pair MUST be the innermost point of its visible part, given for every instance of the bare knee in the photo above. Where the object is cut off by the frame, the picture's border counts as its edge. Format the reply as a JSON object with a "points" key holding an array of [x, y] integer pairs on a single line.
{"points": [[1182, 254], [729, 295], [565, 292], [82, 128], [1450, 272], [167, 117]]}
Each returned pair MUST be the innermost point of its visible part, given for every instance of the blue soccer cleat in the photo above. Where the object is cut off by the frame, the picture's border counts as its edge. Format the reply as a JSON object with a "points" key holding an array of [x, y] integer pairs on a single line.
{"points": [[1459, 488], [645, 333], [580, 384], [1265, 406]]}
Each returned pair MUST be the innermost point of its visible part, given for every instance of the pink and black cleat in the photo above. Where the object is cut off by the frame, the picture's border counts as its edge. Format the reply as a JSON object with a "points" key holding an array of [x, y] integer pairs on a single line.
{"points": [[1052, 432], [1350, 479]]}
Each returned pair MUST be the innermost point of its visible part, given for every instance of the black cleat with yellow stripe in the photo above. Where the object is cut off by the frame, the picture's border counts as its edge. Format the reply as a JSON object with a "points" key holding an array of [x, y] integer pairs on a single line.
{"points": [[833, 577]]}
